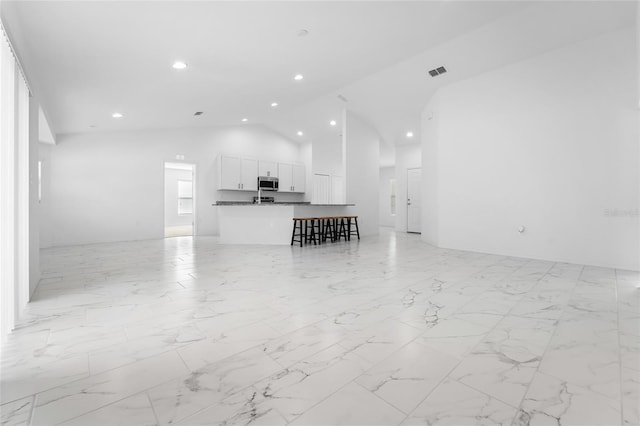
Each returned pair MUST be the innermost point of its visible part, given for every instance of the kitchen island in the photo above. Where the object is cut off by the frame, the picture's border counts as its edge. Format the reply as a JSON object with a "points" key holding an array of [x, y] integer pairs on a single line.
{"points": [[268, 223]]}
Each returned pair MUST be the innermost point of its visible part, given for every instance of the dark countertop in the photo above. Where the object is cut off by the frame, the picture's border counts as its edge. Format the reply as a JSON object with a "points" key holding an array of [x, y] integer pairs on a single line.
{"points": [[331, 205], [277, 203], [251, 203]]}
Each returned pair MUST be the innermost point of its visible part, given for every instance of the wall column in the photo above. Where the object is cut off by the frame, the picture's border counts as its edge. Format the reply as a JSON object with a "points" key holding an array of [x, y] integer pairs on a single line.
{"points": [[361, 159]]}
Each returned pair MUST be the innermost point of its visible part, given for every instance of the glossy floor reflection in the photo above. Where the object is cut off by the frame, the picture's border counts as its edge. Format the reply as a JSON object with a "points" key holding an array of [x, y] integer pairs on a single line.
{"points": [[386, 330]]}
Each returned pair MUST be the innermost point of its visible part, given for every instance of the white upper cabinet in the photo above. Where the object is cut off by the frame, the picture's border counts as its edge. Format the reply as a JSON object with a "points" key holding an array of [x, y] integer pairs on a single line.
{"points": [[285, 177], [230, 169], [298, 178], [249, 177], [267, 168], [237, 173], [241, 174], [291, 178]]}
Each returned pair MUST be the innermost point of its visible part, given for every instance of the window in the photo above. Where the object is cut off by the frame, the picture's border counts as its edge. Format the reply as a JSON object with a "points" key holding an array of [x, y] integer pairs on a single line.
{"points": [[392, 196], [185, 197]]}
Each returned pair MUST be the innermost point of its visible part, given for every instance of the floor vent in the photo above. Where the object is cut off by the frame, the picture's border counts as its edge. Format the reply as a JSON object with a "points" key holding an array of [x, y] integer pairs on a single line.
{"points": [[437, 71]]}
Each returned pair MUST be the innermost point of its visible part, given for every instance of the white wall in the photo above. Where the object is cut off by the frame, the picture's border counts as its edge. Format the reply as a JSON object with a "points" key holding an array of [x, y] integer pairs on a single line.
{"points": [[327, 157], [430, 174], [109, 186], [44, 130], [407, 157], [306, 156], [386, 218], [44, 215], [550, 143], [171, 216], [34, 206], [15, 219], [362, 171]]}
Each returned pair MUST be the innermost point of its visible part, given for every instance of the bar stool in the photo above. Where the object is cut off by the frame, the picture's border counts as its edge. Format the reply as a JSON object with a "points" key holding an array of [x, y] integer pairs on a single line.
{"points": [[312, 230], [341, 228], [329, 228], [350, 231], [298, 225]]}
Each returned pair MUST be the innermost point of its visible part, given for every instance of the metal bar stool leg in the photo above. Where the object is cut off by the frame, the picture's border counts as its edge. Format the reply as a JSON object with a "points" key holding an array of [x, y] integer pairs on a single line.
{"points": [[329, 229], [312, 234], [342, 231], [303, 232], [306, 231], [293, 233], [297, 226], [355, 219]]}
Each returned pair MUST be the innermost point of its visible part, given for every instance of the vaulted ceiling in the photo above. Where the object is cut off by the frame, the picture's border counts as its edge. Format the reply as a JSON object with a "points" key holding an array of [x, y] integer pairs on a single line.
{"points": [[86, 60]]}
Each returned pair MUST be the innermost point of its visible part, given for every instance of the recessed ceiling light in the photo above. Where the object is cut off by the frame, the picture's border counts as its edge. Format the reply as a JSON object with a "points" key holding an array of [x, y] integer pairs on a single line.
{"points": [[298, 77], [198, 113], [409, 134], [303, 33], [333, 122], [274, 104], [244, 120], [116, 115], [179, 65], [300, 133]]}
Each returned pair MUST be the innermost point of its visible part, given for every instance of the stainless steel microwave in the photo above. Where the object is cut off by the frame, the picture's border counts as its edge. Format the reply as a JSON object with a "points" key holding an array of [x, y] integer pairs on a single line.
{"points": [[267, 183]]}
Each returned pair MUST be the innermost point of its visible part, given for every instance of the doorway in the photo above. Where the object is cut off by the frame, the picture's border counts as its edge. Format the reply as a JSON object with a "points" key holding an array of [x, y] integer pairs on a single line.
{"points": [[179, 199], [414, 181]]}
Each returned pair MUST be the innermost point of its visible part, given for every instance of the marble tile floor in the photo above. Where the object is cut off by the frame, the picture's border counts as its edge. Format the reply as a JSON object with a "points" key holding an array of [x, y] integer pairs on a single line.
{"points": [[383, 331]]}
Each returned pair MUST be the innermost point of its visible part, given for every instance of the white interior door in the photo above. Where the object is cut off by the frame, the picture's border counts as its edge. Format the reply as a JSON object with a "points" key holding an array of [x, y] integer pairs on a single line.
{"points": [[414, 180]]}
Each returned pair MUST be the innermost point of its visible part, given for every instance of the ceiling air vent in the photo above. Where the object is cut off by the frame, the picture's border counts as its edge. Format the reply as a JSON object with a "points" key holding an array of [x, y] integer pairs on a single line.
{"points": [[437, 71]]}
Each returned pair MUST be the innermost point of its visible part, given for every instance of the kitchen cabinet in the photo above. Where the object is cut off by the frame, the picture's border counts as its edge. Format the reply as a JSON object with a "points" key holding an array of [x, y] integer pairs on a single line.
{"points": [[237, 173], [249, 175], [267, 168], [291, 177], [298, 178]]}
